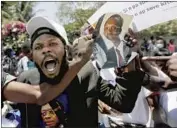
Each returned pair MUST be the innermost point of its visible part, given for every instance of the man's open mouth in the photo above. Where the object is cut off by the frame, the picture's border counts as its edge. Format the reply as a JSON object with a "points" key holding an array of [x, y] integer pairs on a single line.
{"points": [[50, 65]]}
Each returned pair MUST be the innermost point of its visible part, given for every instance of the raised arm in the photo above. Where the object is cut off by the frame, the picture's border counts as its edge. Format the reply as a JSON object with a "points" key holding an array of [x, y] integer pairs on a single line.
{"points": [[41, 94]]}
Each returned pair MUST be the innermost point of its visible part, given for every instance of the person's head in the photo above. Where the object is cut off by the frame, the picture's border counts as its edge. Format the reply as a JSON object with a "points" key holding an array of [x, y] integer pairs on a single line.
{"points": [[161, 43], [26, 49], [113, 27], [152, 37], [47, 113], [8, 52], [171, 41], [48, 40]]}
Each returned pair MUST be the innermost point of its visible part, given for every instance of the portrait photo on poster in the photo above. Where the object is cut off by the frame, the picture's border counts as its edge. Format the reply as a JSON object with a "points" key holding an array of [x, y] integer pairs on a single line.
{"points": [[110, 49]]}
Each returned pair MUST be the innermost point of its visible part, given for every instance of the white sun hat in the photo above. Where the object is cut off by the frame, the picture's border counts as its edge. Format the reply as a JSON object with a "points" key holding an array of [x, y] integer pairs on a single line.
{"points": [[40, 22]]}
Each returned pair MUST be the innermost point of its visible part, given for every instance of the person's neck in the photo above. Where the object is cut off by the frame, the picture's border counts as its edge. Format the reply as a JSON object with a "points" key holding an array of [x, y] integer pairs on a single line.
{"points": [[116, 42]]}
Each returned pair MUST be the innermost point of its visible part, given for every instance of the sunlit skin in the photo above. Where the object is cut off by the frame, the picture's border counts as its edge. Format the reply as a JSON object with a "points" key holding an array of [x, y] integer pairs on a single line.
{"points": [[48, 49], [112, 28], [48, 115]]}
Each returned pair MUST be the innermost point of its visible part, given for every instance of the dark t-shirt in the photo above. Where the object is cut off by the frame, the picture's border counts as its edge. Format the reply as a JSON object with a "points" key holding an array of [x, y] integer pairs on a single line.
{"points": [[83, 93], [82, 108]]}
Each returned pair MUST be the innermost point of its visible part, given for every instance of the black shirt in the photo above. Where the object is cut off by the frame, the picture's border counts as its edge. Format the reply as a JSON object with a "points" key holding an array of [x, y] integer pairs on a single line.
{"points": [[83, 93], [82, 108]]}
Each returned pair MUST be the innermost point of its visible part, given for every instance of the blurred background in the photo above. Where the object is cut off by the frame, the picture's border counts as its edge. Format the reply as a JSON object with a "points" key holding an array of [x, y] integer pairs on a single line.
{"points": [[73, 15]]}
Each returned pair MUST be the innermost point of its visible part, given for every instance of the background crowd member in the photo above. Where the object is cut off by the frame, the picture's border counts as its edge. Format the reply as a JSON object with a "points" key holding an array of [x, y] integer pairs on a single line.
{"points": [[9, 63], [171, 46], [151, 46], [25, 62]]}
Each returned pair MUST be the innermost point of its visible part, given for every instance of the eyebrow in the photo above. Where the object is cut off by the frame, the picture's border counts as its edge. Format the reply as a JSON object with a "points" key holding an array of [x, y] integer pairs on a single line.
{"points": [[37, 44], [52, 39]]}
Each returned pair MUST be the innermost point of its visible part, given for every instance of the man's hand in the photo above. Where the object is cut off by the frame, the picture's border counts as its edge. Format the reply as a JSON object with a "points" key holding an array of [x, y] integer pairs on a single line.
{"points": [[172, 66], [103, 108], [82, 49]]}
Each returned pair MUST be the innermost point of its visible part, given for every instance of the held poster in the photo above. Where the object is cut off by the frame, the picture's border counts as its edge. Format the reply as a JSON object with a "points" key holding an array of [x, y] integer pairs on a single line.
{"points": [[145, 14], [110, 50]]}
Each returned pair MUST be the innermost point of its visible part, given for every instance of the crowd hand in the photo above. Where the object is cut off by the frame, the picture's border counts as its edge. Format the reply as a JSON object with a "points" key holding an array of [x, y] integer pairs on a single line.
{"points": [[82, 49], [167, 82], [131, 38], [171, 64], [172, 67], [103, 108]]}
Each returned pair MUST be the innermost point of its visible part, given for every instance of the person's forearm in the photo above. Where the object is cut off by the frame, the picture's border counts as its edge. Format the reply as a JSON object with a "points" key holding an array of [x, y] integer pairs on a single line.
{"points": [[20, 92], [154, 82], [148, 68], [39, 94], [48, 93]]}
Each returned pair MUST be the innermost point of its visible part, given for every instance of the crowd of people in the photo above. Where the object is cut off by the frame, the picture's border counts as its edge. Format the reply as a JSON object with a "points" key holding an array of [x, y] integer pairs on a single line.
{"points": [[55, 84]]}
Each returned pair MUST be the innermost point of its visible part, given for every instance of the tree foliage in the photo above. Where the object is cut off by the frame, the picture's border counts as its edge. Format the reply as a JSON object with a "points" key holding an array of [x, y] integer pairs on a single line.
{"points": [[73, 15], [15, 14], [17, 11], [164, 29]]}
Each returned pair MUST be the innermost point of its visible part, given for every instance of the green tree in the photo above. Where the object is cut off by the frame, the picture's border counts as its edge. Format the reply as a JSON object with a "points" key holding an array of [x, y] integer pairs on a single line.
{"points": [[13, 12], [6, 10], [17, 11], [164, 29], [73, 15]]}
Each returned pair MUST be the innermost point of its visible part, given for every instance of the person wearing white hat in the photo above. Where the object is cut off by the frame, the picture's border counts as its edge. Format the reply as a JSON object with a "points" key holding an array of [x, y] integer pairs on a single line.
{"points": [[48, 41]]}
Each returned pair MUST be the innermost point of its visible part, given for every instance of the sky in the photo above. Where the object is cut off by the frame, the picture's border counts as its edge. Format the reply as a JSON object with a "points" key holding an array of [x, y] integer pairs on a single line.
{"points": [[49, 9]]}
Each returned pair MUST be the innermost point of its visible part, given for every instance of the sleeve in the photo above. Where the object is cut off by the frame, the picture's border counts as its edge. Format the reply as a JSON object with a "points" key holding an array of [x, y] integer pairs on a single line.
{"points": [[22, 77], [6, 78]]}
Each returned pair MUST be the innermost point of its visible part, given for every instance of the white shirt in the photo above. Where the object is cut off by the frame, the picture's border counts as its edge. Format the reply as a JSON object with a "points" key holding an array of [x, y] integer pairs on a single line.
{"points": [[22, 64]]}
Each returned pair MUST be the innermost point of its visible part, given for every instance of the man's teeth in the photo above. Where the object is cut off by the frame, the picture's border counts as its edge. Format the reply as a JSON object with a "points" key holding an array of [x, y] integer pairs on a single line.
{"points": [[50, 66]]}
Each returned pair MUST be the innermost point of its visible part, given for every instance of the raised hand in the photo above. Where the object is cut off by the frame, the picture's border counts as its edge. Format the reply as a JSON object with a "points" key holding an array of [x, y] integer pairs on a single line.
{"points": [[82, 49]]}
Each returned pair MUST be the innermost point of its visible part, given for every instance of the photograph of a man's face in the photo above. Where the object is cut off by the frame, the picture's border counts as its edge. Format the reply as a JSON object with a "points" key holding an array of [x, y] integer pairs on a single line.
{"points": [[111, 29]]}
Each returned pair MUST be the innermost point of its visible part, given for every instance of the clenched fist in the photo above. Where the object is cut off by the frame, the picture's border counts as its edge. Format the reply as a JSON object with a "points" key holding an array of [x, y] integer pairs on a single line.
{"points": [[82, 49]]}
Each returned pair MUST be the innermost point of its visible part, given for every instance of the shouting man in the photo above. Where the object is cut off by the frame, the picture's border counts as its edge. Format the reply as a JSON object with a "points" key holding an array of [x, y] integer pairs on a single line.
{"points": [[48, 41]]}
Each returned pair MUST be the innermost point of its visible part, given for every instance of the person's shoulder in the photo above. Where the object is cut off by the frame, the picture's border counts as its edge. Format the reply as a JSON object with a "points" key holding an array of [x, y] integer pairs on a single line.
{"points": [[6, 78], [30, 75]]}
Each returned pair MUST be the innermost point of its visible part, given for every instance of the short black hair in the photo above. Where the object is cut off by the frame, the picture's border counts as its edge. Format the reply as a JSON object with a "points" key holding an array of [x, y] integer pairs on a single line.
{"points": [[26, 48], [152, 37], [7, 52]]}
